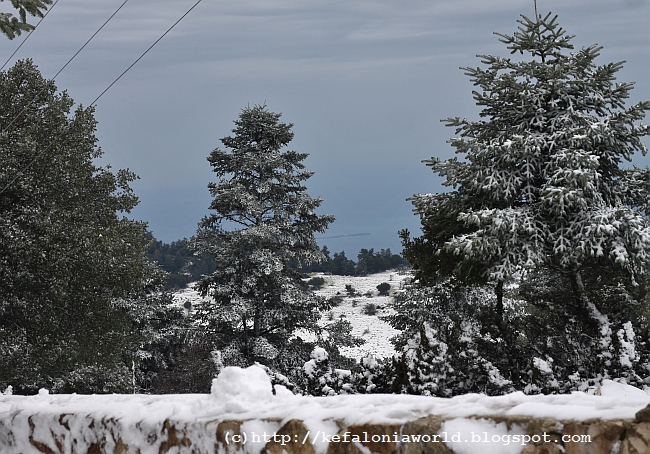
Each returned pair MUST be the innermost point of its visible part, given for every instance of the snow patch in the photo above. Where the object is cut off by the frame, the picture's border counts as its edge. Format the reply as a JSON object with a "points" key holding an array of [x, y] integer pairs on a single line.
{"points": [[238, 388], [614, 389], [475, 436]]}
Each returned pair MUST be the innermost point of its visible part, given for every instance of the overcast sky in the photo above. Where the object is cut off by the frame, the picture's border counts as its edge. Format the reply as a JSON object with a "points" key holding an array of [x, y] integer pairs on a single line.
{"points": [[365, 83]]}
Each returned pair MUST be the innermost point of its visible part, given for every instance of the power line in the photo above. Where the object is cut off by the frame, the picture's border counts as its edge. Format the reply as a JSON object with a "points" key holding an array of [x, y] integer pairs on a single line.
{"points": [[64, 66], [104, 91], [29, 34], [145, 52]]}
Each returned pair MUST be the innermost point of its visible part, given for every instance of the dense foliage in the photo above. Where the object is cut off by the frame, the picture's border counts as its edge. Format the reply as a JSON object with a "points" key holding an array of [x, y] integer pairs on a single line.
{"points": [[66, 254], [540, 195], [368, 262], [179, 261]]}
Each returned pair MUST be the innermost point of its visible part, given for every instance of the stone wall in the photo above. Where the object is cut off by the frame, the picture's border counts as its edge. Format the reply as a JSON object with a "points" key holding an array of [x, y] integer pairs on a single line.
{"points": [[81, 433], [245, 414]]}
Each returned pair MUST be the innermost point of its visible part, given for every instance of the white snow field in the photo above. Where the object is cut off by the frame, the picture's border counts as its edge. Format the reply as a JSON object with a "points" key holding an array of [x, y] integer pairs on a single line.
{"points": [[371, 328], [246, 395]]}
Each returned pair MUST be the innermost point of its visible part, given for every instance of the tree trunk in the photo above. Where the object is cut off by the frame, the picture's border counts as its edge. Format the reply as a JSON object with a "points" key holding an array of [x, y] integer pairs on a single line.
{"points": [[498, 290]]}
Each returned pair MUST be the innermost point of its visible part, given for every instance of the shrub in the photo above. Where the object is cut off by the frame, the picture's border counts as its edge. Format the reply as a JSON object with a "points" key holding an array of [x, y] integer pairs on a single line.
{"points": [[336, 300], [383, 288], [370, 309], [316, 282]]}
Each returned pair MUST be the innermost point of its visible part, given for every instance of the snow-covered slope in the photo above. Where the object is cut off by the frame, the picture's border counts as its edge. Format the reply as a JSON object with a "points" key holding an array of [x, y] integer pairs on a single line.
{"points": [[371, 328], [376, 332]]}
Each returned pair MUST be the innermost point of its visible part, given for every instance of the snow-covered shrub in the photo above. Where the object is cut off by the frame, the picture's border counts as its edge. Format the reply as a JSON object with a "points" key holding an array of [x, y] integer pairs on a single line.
{"points": [[322, 379], [542, 377], [583, 340], [383, 288], [287, 368], [316, 282], [369, 376], [452, 343], [448, 344], [370, 309]]}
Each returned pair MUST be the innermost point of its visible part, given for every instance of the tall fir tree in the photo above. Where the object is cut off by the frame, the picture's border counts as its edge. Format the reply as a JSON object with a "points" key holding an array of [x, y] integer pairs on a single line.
{"points": [[263, 220], [541, 194]]}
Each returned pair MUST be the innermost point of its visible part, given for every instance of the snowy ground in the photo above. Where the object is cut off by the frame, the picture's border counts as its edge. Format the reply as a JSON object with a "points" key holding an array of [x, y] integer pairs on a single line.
{"points": [[371, 328]]}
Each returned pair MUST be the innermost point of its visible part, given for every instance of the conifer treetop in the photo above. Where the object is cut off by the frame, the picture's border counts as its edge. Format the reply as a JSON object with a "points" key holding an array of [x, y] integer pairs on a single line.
{"points": [[542, 178], [541, 38]]}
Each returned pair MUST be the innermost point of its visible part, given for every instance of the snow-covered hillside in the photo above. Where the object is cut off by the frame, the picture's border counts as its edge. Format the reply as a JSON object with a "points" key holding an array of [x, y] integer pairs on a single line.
{"points": [[376, 332], [371, 328]]}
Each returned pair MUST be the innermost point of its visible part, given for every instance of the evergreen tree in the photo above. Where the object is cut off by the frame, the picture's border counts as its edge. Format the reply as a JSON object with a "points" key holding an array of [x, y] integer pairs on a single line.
{"points": [[341, 265], [66, 254], [541, 190], [370, 262], [263, 219], [180, 263]]}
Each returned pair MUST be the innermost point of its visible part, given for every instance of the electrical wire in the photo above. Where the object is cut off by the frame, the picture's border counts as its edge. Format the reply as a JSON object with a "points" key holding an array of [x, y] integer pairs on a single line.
{"points": [[64, 66], [102, 93], [29, 34], [145, 52]]}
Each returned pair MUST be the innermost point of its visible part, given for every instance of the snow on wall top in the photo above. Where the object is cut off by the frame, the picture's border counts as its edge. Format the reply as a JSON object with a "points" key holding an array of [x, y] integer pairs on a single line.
{"points": [[246, 394]]}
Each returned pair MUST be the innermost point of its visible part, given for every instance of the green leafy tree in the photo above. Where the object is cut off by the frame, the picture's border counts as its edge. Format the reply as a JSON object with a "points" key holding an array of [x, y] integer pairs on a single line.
{"points": [[13, 26], [66, 254], [541, 191], [263, 219]]}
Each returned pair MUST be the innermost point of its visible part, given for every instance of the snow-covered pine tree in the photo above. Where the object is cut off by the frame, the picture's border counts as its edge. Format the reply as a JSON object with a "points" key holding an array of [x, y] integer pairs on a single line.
{"points": [[263, 219], [443, 347], [541, 188]]}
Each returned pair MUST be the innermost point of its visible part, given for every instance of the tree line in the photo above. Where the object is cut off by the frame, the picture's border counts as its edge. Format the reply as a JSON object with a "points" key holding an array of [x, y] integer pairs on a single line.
{"points": [[368, 262], [184, 266]]}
